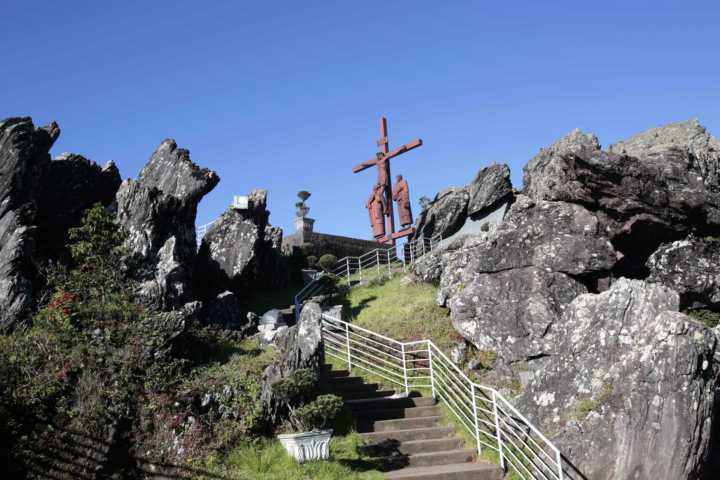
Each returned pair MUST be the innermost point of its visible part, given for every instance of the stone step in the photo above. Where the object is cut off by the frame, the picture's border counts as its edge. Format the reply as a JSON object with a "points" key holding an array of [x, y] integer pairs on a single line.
{"points": [[407, 435], [411, 447], [366, 394], [355, 387], [457, 471], [443, 457], [395, 413], [346, 380], [361, 406], [397, 424]]}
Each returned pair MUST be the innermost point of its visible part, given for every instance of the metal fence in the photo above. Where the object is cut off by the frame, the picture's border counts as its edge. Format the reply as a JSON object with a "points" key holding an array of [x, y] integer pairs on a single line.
{"points": [[381, 261], [491, 420]]}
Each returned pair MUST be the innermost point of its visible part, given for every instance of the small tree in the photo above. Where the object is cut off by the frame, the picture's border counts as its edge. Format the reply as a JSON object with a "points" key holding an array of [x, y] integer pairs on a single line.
{"points": [[306, 411], [327, 262]]}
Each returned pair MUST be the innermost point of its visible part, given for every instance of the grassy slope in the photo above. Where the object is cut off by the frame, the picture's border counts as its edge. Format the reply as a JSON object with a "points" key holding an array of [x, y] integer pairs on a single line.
{"points": [[402, 312]]}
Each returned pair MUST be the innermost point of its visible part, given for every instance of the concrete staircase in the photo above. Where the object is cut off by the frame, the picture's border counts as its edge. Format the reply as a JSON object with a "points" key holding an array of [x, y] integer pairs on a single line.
{"points": [[405, 435]]}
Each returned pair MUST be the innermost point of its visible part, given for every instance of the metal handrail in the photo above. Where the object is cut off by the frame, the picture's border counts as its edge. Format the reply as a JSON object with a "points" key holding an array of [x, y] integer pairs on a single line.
{"points": [[492, 420], [381, 259]]}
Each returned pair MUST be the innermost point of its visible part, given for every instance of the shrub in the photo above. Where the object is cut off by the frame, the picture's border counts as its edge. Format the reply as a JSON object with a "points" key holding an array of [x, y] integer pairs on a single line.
{"points": [[707, 317], [327, 262], [306, 411], [315, 415]]}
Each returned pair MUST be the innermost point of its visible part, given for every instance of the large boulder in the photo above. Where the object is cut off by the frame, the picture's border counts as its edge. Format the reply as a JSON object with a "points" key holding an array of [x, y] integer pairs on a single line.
{"points": [[297, 347], [507, 290], [158, 211], [491, 187], [240, 250], [630, 389], [74, 184], [24, 164], [655, 187], [692, 268], [447, 212]]}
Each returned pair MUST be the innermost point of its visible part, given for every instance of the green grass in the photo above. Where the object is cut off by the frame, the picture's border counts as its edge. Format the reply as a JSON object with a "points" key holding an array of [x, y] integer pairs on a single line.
{"points": [[402, 312], [268, 460]]}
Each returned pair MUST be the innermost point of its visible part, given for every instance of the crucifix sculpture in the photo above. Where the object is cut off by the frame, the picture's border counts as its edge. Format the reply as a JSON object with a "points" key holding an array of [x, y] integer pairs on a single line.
{"points": [[380, 203]]}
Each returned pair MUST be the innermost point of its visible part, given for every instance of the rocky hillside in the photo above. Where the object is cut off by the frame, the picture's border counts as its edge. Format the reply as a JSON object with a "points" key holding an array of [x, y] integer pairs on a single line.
{"points": [[587, 294]]}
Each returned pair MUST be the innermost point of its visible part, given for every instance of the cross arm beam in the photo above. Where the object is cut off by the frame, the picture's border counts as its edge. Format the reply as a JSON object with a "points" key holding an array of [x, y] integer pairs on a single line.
{"points": [[398, 151]]}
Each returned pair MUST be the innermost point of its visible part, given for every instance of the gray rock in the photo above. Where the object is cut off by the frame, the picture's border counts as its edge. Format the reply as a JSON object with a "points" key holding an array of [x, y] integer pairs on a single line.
{"points": [[511, 312], [24, 164], [691, 267], [491, 187], [297, 347], [656, 187], [554, 236], [445, 215], [226, 312], [73, 185], [240, 251], [630, 391], [158, 211]]}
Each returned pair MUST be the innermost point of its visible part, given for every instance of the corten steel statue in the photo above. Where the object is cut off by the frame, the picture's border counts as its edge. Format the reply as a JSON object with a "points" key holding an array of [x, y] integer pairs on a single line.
{"points": [[401, 195], [382, 162], [377, 209]]}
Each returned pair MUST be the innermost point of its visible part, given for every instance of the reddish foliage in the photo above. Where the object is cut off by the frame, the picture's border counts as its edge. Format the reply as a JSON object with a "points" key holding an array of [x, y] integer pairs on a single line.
{"points": [[63, 302]]}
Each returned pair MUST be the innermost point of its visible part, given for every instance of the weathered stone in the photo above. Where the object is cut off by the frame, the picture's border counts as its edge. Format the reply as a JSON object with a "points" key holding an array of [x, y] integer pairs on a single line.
{"points": [[240, 251], [298, 347], [630, 391], [554, 236], [73, 185], [24, 163], [491, 187], [656, 187], [445, 215], [225, 311], [271, 324], [511, 312], [691, 267], [158, 211]]}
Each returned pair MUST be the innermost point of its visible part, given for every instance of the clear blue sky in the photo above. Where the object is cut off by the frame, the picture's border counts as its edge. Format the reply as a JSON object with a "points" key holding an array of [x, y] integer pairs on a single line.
{"points": [[286, 95]]}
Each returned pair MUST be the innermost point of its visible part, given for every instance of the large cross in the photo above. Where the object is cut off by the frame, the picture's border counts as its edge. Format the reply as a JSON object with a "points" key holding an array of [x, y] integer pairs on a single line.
{"points": [[382, 162]]}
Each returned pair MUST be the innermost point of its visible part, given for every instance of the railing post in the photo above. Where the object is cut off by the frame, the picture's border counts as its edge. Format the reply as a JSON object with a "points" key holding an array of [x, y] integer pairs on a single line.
{"points": [[347, 345], [403, 257], [498, 432], [475, 418], [360, 268], [405, 375], [347, 265], [388, 259], [377, 260], [432, 370], [559, 462]]}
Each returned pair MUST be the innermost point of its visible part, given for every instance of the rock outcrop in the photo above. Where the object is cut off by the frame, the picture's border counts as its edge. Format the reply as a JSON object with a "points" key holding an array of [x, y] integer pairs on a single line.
{"points": [[298, 347], [158, 211], [507, 291], [655, 187], [24, 164], [630, 390], [74, 184], [240, 250], [447, 213], [226, 312], [692, 268]]}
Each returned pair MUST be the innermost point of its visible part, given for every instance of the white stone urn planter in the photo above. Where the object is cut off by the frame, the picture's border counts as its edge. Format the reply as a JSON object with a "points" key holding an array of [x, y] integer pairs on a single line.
{"points": [[307, 446]]}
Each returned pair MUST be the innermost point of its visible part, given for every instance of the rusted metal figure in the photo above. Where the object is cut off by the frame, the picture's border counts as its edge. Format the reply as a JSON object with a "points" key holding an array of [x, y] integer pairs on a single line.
{"points": [[382, 162], [401, 195], [377, 209]]}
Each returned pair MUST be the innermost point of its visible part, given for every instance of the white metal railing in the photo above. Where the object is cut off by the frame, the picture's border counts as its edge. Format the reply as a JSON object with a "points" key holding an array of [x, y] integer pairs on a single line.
{"points": [[201, 230], [493, 422], [381, 261]]}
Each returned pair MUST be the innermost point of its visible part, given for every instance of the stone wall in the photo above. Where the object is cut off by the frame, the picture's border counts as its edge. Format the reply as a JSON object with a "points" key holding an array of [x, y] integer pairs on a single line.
{"points": [[323, 243]]}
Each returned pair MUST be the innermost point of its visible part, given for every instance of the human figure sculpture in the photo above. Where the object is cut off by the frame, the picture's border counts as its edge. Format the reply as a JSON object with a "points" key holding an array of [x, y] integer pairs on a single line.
{"points": [[401, 195], [377, 209]]}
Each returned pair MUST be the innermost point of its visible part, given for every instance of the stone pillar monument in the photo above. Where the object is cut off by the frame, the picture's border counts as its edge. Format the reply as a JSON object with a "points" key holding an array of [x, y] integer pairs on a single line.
{"points": [[303, 223]]}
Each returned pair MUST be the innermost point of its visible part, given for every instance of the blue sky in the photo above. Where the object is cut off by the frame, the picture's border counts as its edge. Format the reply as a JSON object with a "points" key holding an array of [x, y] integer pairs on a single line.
{"points": [[286, 95]]}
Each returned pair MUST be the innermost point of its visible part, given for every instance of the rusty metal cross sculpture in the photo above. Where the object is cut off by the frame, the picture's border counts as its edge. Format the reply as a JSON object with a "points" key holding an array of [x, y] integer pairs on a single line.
{"points": [[382, 162]]}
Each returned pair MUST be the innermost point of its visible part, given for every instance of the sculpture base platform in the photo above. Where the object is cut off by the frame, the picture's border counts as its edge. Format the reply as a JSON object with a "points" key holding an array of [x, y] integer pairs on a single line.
{"points": [[402, 233]]}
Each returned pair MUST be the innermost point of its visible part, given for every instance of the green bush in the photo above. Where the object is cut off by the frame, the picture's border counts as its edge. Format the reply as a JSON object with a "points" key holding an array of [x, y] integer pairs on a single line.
{"points": [[327, 262], [315, 415], [306, 410], [707, 317]]}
